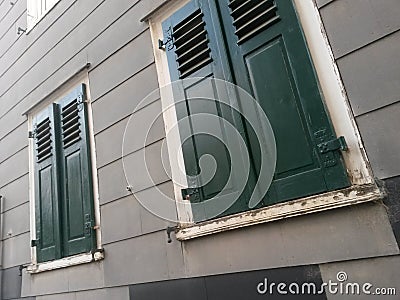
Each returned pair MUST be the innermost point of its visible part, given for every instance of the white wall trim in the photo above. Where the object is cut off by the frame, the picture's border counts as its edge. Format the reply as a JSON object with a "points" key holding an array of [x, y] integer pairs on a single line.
{"points": [[65, 262], [299, 207]]}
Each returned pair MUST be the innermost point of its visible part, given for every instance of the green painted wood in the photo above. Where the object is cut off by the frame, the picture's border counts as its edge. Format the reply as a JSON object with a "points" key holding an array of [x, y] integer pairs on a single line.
{"points": [[275, 66], [76, 178], [47, 192], [196, 91]]}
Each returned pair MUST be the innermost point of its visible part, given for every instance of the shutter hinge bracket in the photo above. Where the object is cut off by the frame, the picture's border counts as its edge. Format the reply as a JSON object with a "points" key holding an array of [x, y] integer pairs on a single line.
{"points": [[333, 145], [161, 44], [34, 243], [31, 134], [191, 194]]}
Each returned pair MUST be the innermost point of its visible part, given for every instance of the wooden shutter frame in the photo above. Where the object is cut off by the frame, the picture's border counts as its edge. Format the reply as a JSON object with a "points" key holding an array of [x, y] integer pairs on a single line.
{"points": [[87, 241], [44, 254]]}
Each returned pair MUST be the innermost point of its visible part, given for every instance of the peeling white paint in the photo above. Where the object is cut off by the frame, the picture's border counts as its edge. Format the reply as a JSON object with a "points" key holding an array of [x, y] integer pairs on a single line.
{"points": [[65, 262], [327, 201]]}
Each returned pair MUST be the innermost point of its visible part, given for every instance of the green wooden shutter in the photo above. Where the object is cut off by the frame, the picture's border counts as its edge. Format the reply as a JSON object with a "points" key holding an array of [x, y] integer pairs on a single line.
{"points": [[270, 59], [76, 179], [47, 193], [195, 53]]}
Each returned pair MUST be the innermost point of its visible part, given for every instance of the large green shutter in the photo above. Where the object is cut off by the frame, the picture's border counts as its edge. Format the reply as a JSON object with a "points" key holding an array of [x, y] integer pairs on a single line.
{"points": [[47, 193], [259, 45], [270, 59], [76, 179], [195, 54]]}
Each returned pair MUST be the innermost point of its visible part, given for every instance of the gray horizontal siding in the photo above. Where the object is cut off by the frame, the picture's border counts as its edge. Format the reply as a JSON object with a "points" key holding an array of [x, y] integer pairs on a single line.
{"points": [[337, 235], [137, 220], [14, 142], [11, 36], [15, 193], [120, 293], [129, 60], [129, 96], [125, 134], [14, 167], [16, 221], [78, 278], [5, 8], [10, 20], [321, 3], [113, 180], [16, 251], [11, 284], [365, 39], [352, 24], [372, 74], [154, 260], [380, 131]]}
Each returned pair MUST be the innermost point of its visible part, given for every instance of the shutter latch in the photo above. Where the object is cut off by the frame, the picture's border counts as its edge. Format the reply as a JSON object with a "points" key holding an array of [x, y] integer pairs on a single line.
{"points": [[333, 145], [191, 194], [88, 225]]}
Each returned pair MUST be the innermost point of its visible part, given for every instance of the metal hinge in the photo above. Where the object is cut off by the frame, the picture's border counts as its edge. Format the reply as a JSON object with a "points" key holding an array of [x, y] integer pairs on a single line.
{"points": [[34, 243], [191, 194], [31, 134], [327, 145], [161, 45], [88, 225], [333, 145]]}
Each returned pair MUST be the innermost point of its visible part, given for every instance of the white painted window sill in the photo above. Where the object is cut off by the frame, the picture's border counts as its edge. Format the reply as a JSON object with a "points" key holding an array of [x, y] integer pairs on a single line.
{"points": [[66, 262], [317, 203]]}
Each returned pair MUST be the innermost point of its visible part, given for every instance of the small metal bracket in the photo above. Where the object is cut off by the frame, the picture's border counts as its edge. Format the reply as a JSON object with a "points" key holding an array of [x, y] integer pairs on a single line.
{"points": [[21, 30], [191, 194], [31, 134], [333, 145], [161, 45], [170, 229], [34, 243], [21, 267]]}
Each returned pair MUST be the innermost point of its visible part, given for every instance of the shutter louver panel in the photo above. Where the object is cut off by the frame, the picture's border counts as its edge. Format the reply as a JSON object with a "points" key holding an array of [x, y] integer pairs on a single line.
{"points": [[43, 140], [77, 192], [47, 193], [70, 124], [252, 16], [191, 44]]}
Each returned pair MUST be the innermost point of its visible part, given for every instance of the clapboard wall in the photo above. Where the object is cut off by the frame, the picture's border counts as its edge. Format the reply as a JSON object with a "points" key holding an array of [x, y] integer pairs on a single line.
{"points": [[364, 36]]}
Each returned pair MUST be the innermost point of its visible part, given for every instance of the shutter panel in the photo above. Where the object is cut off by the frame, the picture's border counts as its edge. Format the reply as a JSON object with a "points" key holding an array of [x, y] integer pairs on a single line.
{"points": [[47, 194], [194, 53], [76, 179], [271, 61]]}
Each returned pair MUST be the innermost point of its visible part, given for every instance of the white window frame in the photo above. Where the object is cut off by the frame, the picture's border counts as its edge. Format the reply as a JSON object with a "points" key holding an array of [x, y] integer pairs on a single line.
{"points": [[58, 94], [363, 186], [37, 9]]}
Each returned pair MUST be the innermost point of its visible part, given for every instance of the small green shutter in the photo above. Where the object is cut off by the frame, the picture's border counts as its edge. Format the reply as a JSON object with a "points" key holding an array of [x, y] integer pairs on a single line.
{"points": [[271, 61], [47, 193], [195, 55], [76, 179]]}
